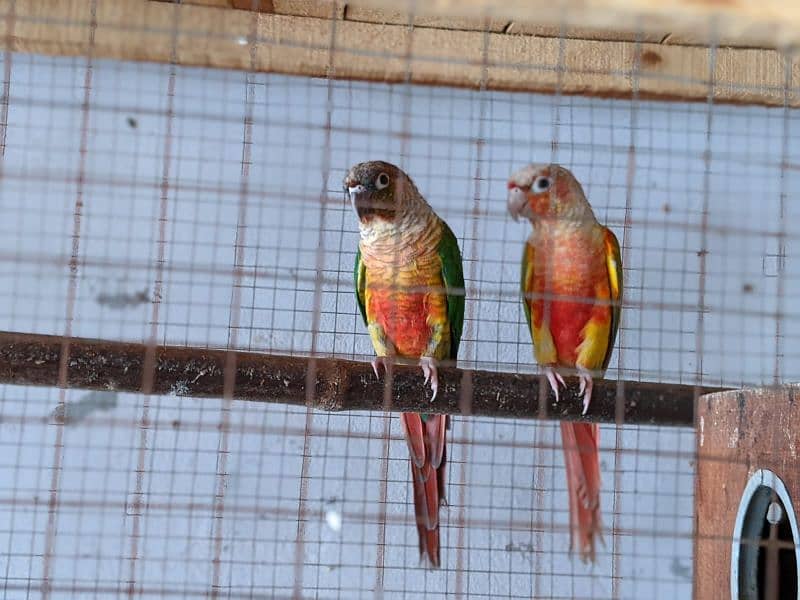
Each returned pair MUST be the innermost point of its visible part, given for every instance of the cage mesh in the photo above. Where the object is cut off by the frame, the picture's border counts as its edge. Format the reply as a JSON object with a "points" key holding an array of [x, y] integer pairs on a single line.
{"points": [[195, 207]]}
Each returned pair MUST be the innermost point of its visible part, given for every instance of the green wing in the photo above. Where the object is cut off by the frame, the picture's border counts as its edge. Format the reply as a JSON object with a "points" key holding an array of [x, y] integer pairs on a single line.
{"points": [[360, 277], [453, 277], [614, 265]]}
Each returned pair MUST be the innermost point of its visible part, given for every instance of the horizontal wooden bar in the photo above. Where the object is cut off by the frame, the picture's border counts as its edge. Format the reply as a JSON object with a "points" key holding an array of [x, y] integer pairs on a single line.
{"points": [[773, 23], [684, 22], [30, 359], [262, 42]]}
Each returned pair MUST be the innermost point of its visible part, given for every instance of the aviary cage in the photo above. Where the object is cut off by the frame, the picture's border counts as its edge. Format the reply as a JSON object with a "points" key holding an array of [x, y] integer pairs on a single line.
{"points": [[187, 406]]}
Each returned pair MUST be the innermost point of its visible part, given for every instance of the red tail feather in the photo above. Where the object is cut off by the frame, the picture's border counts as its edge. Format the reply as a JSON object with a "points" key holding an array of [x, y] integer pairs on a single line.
{"points": [[581, 443], [426, 443]]}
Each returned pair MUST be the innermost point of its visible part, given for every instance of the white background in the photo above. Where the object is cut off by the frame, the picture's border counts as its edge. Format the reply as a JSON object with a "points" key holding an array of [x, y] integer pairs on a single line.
{"points": [[503, 534]]}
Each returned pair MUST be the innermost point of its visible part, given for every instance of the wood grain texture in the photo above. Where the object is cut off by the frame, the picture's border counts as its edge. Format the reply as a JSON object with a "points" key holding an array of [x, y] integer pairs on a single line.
{"points": [[631, 22], [584, 33], [217, 3], [29, 359], [774, 23], [367, 14], [321, 9], [219, 37], [257, 5], [738, 432]]}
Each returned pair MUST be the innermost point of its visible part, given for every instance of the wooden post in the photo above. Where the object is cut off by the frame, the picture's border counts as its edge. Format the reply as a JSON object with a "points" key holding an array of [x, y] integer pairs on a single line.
{"points": [[747, 444]]}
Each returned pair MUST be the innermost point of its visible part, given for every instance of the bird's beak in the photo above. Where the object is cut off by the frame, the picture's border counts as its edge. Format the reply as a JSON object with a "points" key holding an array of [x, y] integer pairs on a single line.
{"points": [[361, 201], [517, 200], [356, 193], [355, 190]]}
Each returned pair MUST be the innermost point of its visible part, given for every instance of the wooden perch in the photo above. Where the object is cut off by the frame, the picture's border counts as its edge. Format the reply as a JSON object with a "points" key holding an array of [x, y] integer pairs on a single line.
{"points": [[29, 359]]}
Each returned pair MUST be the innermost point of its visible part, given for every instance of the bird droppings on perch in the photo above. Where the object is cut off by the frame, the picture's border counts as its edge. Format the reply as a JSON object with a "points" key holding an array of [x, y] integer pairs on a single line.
{"points": [[341, 385]]}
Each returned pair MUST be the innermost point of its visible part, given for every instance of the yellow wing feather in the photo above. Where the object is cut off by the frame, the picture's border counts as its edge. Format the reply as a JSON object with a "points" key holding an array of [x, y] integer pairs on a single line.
{"points": [[614, 264], [600, 332], [544, 349]]}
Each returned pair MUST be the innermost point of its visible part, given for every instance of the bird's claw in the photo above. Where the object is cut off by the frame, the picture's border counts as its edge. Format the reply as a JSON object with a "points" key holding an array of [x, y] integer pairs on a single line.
{"points": [[554, 378], [431, 373], [379, 362], [585, 388]]}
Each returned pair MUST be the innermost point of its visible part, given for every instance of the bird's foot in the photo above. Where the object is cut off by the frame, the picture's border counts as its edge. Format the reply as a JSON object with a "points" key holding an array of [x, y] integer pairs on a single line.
{"points": [[586, 387], [431, 373], [378, 363], [554, 378]]}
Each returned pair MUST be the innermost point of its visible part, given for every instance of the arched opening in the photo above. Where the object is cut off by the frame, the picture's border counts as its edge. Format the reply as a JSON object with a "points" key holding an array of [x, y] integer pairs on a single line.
{"points": [[764, 558]]}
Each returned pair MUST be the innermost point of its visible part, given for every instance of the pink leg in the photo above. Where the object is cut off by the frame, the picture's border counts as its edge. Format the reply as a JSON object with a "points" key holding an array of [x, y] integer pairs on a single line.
{"points": [[586, 387], [378, 363], [431, 373], [554, 378]]}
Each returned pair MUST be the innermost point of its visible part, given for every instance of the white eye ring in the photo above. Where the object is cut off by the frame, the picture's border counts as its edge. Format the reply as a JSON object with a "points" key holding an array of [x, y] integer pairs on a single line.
{"points": [[381, 181], [541, 184]]}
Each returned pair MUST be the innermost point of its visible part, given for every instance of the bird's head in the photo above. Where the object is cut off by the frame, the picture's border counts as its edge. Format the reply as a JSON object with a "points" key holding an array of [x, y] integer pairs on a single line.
{"points": [[547, 193], [377, 189]]}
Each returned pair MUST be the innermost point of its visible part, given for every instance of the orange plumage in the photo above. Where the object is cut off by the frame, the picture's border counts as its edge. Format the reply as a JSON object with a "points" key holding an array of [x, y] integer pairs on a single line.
{"points": [[409, 288], [400, 299], [572, 283]]}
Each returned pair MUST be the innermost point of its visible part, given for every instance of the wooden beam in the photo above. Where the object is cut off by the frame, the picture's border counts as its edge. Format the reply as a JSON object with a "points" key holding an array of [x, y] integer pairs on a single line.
{"points": [[775, 23], [321, 9], [217, 37], [29, 359], [259, 5], [366, 14], [698, 33]]}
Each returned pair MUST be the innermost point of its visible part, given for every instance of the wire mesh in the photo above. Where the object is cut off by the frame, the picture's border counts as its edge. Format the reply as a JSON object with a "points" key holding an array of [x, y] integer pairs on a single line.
{"points": [[196, 207]]}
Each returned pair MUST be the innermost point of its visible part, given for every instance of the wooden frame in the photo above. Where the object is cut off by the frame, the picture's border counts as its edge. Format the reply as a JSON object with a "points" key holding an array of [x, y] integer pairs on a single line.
{"points": [[769, 23], [211, 36], [739, 433]]}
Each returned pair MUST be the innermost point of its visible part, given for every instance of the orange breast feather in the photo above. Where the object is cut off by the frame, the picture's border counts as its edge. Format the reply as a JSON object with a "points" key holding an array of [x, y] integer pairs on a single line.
{"points": [[570, 299], [406, 302]]}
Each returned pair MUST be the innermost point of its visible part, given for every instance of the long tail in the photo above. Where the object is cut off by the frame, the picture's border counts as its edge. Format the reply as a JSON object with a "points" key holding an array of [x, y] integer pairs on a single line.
{"points": [[425, 435], [581, 443]]}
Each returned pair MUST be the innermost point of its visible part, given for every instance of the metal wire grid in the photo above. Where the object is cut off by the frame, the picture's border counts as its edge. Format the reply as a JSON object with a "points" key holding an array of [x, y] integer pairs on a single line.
{"points": [[139, 125], [742, 288], [507, 547]]}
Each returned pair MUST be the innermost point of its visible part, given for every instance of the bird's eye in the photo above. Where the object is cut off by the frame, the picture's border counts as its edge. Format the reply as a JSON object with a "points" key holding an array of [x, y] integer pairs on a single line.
{"points": [[541, 184], [382, 181]]}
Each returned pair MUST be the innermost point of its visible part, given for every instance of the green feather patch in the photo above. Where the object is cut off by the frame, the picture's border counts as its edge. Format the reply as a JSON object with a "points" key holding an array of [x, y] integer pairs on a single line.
{"points": [[453, 277], [360, 278]]}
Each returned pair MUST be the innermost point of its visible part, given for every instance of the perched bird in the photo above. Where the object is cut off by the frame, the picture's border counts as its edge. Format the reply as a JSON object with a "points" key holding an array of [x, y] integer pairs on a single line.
{"points": [[571, 282], [410, 291]]}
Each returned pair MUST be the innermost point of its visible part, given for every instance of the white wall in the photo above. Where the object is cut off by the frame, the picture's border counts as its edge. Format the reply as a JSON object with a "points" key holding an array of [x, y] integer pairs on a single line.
{"points": [[506, 478]]}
